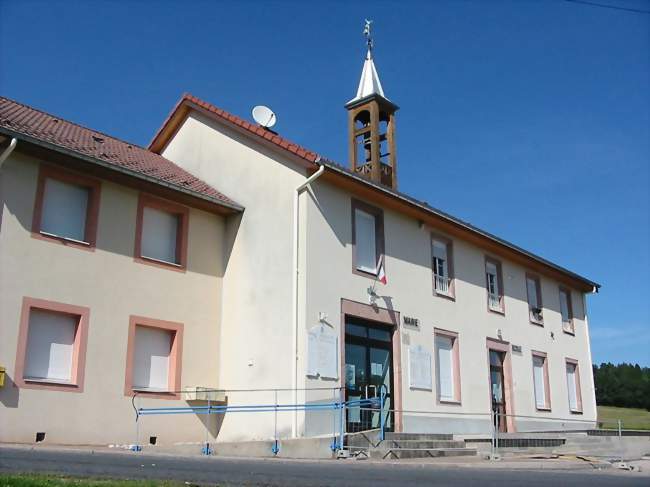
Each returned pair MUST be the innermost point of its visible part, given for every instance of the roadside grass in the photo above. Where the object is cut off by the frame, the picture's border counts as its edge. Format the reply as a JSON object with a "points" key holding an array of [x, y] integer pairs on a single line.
{"points": [[30, 480], [634, 419]]}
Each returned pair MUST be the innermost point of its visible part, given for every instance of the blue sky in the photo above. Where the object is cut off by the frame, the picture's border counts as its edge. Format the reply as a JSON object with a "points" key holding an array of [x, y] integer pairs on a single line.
{"points": [[530, 119]]}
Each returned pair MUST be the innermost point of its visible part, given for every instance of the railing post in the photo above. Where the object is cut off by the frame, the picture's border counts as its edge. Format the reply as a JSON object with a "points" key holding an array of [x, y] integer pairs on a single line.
{"points": [[206, 448], [335, 419], [496, 432], [341, 418], [492, 430], [382, 397], [619, 428], [276, 447]]}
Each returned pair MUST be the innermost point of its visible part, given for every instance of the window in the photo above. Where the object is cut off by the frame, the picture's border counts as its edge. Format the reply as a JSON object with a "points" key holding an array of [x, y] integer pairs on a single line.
{"points": [[573, 386], [534, 294], [367, 238], [541, 382], [154, 357], [161, 233], [151, 360], [51, 345], [447, 366], [494, 285], [66, 208], [442, 266], [566, 310]]}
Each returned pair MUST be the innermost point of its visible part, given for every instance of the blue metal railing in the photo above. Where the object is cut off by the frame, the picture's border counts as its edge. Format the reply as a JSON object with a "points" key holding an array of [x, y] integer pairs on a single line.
{"points": [[340, 406]]}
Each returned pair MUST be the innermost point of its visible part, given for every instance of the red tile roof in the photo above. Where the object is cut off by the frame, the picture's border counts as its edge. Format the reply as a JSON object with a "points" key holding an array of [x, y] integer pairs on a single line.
{"points": [[187, 100], [22, 119]]}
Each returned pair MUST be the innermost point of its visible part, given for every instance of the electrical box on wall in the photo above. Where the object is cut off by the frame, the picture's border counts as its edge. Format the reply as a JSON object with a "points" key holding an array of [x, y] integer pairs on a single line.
{"points": [[2, 376]]}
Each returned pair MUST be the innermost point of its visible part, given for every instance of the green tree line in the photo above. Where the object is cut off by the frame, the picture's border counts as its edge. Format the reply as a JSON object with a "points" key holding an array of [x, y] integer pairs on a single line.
{"points": [[623, 385]]}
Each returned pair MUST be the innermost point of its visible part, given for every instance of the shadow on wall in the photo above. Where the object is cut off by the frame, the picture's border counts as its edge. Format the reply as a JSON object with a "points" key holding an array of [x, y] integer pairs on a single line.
{"points": [[10, 393], [407, 242], [230, 235], [117, 214], [212, 422]]}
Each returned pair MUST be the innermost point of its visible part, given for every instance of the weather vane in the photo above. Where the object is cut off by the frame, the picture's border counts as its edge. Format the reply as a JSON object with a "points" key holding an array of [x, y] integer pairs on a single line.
{"points": [[366, 32]]}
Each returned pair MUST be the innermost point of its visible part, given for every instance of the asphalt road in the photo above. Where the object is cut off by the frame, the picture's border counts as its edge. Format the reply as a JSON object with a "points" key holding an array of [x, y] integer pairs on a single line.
{"points": [[277, 472]]}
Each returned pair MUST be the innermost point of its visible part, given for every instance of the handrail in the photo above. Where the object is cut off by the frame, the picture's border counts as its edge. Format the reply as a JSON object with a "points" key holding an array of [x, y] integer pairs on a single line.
{"points": [[207, 389], [222, 409]]}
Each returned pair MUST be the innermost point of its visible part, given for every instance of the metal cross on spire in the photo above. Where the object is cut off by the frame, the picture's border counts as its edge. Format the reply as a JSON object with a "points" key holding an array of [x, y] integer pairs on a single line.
{"points": [[367, 33]]}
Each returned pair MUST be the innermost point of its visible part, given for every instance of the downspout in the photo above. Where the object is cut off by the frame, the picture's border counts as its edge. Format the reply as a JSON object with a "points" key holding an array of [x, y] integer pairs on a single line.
{"points": [[3, 157], [7, 152], [296, 270]]}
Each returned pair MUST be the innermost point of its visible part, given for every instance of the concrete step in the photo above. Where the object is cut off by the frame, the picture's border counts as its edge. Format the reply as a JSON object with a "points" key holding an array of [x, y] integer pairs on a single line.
{"points": [[418, 436], [399, 453], [428, 444]]}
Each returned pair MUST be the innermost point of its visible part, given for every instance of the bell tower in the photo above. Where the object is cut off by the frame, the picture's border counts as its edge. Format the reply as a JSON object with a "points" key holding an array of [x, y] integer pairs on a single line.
{"points": [[371, 125]]}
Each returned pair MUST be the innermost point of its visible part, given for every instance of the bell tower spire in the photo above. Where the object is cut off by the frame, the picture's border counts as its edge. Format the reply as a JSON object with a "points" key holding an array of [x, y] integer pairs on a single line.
{"points": [[371, 124]]}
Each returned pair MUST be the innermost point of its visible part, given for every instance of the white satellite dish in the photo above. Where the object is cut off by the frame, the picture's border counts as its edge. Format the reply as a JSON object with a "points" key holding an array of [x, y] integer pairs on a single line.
{"points": [[264, 116]]}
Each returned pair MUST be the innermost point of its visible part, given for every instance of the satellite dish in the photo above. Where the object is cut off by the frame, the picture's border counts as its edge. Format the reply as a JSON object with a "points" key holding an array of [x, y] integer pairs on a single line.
{"points": [[264, 116]]}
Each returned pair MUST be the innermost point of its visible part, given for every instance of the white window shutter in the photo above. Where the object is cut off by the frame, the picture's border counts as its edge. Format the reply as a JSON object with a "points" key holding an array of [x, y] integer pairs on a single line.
{"points": [[571, 384], [151, 358], [564, 305], [366, 246], [50, 345], [531, 289], [64, 209], [159, 233], [540, 388], [445, 376]]}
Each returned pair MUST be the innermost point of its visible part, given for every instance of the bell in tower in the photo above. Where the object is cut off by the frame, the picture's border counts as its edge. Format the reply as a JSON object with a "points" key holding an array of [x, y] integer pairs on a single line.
{"points": [[371, 121]]}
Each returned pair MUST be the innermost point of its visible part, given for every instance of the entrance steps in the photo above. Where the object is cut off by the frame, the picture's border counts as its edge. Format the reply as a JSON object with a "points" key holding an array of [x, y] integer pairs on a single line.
{"points": [[407, 445]]}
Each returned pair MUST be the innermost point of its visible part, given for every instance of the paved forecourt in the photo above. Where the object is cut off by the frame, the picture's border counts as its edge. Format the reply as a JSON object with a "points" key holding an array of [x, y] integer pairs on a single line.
{"points": [[213, 470]]}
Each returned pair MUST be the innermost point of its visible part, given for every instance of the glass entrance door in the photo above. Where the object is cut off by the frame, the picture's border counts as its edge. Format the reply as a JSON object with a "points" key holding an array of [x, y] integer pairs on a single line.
{"points": [[368, 369], [497, 390]]}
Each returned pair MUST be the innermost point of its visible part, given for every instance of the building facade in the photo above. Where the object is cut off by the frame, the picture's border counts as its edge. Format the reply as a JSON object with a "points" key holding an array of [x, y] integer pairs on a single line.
{"points": [[123, 270]]}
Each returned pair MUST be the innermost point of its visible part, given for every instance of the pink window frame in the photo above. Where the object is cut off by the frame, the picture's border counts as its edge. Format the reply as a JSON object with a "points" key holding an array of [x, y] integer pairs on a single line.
{"points": [[540, 303], [182, 212], [508, 390], [175, 356], [567, 291], [450, 267], [46, 172], [547, 387], [455, 353], [76, 383], [502, 293], [578, 388], [380, 244], [388, 317]]}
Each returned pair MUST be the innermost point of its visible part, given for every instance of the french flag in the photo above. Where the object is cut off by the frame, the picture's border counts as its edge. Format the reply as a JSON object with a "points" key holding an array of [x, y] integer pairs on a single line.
{"points": [[381, 272]]}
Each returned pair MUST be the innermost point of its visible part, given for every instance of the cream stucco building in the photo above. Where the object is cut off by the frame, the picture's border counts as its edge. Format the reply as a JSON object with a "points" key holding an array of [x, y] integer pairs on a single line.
{"points": [[124, 270]]}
